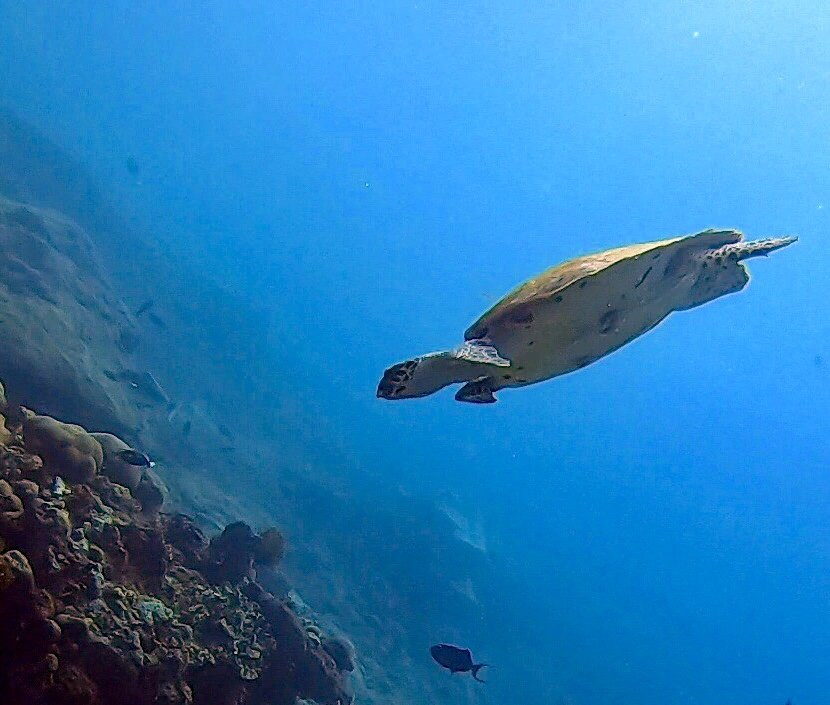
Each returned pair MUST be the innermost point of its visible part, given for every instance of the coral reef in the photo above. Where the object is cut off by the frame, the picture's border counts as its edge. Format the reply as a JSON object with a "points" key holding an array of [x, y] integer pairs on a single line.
{"points": [[91, 360], [115, 468], [271, 547], [101, 602], [64, 447], [5, 434]]}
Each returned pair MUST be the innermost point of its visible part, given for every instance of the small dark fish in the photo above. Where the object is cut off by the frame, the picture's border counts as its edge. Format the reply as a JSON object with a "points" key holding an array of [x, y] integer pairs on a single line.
{"points": [[227, 449], [134, 457], [155, 319], [186, 428], [132, 166], [456, 660], [145, 383], [225, 431], [146, 306]]}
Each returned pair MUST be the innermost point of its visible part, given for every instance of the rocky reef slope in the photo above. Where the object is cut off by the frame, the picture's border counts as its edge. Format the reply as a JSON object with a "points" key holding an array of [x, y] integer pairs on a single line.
{"points": [[105, 599], [66, 336], [203, 389]]}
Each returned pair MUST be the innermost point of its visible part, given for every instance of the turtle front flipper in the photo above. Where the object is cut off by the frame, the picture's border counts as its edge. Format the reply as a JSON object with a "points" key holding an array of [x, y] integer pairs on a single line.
{"points": [[480, 351], [478, 391], [427, 374]]}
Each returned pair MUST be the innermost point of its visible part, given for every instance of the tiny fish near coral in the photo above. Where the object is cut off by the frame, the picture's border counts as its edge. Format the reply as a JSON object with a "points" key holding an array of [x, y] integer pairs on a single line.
{"points": [[135, 457]]}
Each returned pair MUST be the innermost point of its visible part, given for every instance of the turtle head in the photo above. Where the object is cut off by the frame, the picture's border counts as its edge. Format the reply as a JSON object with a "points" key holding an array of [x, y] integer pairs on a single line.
{"points": [[419, 377]]}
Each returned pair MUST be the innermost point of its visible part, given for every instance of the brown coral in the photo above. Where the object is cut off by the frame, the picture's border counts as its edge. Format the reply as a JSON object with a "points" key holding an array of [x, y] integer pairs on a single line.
{"points": [[67, 449], [5, 434], [101, 603], [114, 467], [149, 492], [271, 548]]}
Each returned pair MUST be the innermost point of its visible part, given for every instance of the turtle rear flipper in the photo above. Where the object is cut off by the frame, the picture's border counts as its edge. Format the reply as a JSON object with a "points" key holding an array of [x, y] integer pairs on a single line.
{"points": [[478, 391], [754, 248]]}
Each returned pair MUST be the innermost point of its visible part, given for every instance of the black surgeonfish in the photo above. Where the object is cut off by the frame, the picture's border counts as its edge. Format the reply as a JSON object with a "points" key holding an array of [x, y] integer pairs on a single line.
{"points": [[135, 457], [456, 659]]}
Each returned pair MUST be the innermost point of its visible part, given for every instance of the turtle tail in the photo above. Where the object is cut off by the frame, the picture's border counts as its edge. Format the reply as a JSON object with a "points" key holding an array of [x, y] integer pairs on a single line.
{"points": [[755, 248], [476, 668]]}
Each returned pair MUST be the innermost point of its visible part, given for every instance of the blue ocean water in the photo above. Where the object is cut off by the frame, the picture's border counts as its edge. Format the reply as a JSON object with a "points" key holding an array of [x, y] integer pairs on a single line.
{"points": [[375, 174]]}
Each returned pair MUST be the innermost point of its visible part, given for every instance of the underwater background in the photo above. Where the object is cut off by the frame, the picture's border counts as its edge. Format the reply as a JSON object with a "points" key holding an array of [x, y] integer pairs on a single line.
{"points": [[310, 192]]}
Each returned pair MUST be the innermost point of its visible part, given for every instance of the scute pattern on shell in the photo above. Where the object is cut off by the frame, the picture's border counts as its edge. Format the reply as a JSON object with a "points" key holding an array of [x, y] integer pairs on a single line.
{"points": [[555, 280]]}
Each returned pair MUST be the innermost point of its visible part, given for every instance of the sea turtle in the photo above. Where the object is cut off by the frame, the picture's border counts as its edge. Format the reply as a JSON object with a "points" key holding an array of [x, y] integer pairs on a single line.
{"points": [[577, 312]]}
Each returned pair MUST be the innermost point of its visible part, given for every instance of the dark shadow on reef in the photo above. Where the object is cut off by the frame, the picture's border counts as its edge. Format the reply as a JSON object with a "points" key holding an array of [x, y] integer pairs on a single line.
{"points": [[106, 599]]}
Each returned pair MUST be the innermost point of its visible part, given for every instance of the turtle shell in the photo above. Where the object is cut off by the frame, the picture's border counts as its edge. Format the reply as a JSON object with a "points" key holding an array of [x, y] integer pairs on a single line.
{"points": [[576, 312]]}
